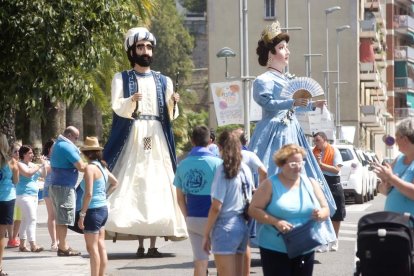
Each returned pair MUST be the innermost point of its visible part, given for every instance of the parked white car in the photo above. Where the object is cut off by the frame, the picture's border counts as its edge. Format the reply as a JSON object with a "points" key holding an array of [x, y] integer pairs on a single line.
{"points": [[372, 177], [354, 176]]}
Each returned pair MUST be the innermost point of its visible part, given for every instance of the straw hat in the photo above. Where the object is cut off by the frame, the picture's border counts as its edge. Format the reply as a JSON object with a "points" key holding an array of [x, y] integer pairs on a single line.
{"points": [[91, 143]]}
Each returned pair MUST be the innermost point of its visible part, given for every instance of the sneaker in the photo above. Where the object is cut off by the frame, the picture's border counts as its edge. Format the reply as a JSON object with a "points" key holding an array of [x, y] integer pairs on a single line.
{"points": [[322, 248], [13, 243], [333, 246]]}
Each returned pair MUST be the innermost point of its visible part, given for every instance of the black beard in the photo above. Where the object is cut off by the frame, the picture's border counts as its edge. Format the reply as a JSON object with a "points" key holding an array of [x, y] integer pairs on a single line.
{"points": [[143, 60]]}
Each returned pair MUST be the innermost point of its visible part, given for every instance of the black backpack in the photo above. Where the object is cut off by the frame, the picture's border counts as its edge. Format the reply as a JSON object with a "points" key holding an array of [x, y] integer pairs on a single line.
{"points": [[385, 245]]}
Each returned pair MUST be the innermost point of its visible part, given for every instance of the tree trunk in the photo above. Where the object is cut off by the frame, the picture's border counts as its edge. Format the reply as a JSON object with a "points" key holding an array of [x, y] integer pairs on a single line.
{"points": [[74, 118], [8, 121], [55, 120], [92, 120]]}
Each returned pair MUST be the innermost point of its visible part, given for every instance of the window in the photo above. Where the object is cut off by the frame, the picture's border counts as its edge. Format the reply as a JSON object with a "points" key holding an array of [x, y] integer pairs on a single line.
{"points": [[270, 9]]}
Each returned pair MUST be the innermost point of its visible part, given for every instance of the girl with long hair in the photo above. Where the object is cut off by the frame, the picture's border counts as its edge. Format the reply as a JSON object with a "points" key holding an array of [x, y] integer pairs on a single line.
{"points": [[226, 232], [9, 176]]}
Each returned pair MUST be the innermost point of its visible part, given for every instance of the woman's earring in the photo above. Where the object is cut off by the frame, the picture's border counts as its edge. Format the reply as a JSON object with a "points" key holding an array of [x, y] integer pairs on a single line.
{"points": [[269, 61]]}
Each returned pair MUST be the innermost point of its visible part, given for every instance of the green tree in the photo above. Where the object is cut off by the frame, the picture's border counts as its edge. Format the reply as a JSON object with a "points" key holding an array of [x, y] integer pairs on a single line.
{"points": [[48, 47], [172, 55], [194, 5]]}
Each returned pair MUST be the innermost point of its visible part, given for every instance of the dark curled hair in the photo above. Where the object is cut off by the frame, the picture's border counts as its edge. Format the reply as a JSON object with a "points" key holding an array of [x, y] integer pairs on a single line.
{"points": [[263, 48], [230, 153], [23, 150], [47, 146]]}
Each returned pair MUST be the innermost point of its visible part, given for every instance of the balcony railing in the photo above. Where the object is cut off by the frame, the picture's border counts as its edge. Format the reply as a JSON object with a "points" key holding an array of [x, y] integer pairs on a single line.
{"points": [[403, 21], [403, 83], [401, 113], [372, 4], [403, 53]]}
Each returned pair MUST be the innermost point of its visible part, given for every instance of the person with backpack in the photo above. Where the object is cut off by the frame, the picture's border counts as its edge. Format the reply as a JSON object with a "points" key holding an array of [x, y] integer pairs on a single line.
{"points": [[397, 179], [140, 151]]}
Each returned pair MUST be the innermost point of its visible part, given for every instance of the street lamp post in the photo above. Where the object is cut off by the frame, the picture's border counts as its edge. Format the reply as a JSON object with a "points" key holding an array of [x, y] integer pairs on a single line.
{"points": [[327, 12], [338, 83], [225, 53]]}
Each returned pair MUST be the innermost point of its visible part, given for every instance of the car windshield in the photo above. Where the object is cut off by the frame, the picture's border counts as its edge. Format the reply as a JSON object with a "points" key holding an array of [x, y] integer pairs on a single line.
{"points": [[346, 154]]}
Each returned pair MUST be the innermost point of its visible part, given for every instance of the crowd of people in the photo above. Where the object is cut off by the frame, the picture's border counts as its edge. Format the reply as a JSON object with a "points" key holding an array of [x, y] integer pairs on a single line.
{"points": [[221, 195]]}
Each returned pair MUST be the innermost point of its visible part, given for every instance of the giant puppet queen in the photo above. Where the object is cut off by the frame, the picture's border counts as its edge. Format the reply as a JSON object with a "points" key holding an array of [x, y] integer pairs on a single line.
{"points": [[140, 151]]}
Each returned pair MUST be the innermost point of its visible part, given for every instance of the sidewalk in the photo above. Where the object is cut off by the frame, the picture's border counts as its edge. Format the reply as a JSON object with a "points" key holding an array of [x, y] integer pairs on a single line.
{"points": [[122, 260]]}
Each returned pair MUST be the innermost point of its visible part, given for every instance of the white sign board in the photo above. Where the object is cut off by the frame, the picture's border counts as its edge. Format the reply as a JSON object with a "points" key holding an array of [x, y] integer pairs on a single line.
{"points": [[228, 102], [315, 121]]}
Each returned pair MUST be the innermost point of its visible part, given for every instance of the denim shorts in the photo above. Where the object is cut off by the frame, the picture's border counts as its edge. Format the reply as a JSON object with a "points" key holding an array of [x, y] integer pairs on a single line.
{"points": [[6, 212], [64, 202], [95, 219], [229, 236]]}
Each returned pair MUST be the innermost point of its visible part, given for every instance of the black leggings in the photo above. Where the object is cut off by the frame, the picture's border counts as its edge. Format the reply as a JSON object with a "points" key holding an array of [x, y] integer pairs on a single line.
{"points": [[278, 264]]}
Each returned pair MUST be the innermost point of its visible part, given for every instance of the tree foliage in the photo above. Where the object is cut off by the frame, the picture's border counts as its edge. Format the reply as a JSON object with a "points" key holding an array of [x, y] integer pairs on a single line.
{"points": [[48, 47], [194, 5], [174, 43], [172, 55]]}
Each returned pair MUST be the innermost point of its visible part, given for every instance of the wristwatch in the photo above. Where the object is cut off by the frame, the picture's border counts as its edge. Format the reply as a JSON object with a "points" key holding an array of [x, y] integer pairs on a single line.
{"points": [[82, 215]]}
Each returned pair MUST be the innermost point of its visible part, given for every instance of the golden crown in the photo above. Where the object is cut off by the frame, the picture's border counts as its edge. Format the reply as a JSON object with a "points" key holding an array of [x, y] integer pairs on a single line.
{"points": [[271, 31]]}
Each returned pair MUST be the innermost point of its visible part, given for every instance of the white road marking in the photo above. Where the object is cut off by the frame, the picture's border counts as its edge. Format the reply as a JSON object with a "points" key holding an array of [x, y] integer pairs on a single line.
{"points": [[357, 207], [345, 224]]}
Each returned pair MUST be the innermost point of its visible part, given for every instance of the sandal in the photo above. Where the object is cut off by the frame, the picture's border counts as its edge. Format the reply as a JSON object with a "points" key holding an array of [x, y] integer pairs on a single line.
{"points": [[2, 273], [37, 249], [153, 253], [68, 253], [24, 249], [140, 252]]}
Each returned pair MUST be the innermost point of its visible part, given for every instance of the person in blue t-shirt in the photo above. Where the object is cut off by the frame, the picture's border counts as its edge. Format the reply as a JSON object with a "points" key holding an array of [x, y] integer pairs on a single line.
{"points": [[65, 162], [9, 177], [397, 179], [193, 183]]}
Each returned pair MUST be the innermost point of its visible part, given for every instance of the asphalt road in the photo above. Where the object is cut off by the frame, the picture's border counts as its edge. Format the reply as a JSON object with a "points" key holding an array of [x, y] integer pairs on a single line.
{"points": [[177, 258]]}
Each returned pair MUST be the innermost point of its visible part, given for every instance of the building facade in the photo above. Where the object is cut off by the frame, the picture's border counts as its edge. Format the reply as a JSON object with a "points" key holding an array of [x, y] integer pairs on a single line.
{"points": [[374, 61]]}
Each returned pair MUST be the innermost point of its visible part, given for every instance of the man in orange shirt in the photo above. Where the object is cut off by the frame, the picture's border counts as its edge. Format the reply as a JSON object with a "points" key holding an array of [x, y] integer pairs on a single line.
{"points": [[329, 159]]}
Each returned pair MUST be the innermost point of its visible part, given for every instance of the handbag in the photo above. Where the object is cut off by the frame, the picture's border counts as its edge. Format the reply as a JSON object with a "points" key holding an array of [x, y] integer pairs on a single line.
{"points": [[324, 229], [246, 200], [311, 234], [301, 239]]}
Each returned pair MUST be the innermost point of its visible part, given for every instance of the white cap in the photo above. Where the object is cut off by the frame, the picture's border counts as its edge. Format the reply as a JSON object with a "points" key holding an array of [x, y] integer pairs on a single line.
{"points": [[136, 34]]}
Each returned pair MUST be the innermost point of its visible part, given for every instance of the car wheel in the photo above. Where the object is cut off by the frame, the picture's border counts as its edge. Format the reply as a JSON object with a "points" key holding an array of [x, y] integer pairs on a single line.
{"points": [[359, 199]]}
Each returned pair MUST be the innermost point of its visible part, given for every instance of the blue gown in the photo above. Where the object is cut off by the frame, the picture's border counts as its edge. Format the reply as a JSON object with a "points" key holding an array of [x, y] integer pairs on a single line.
{"points": [[277, 128]]}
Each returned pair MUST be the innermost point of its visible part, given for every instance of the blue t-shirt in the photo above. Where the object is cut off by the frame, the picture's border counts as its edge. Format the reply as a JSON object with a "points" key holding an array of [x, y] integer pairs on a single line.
{"points": [[7, 188], [98, 190], [28, 185], [396, 201], [64, 155], [294, 205], [214, 149], [229, 191], [194, 176]]}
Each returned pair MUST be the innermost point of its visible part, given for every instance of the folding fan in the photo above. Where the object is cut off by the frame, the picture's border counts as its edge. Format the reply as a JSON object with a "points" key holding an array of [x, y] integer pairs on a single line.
{"points": [[302, 87]]}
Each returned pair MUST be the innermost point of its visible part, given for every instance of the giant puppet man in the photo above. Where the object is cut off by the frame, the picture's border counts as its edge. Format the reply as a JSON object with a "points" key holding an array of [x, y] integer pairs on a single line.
{"points": [[140, 150]]}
